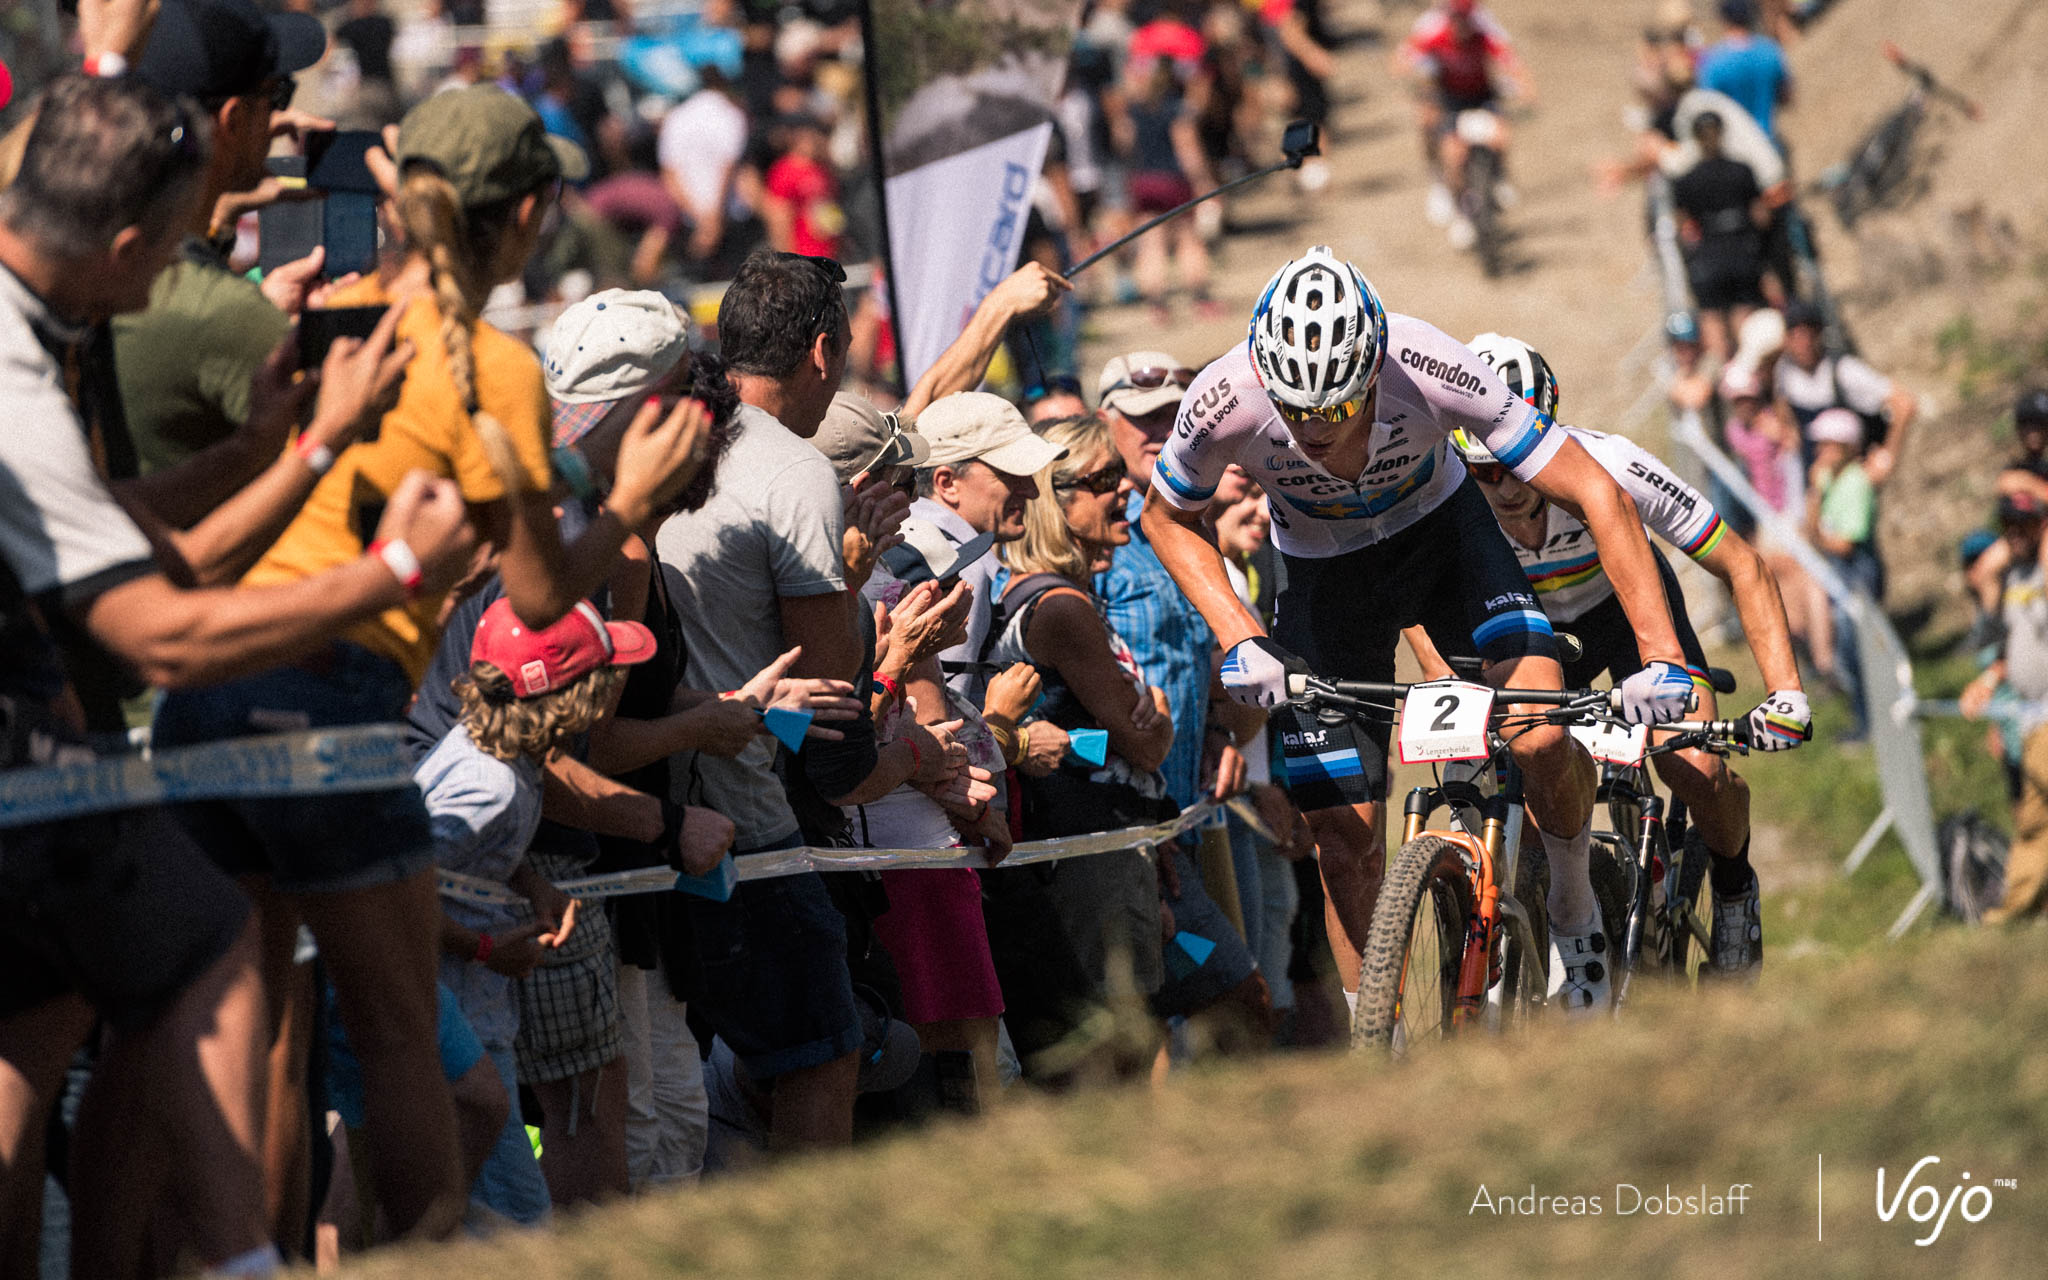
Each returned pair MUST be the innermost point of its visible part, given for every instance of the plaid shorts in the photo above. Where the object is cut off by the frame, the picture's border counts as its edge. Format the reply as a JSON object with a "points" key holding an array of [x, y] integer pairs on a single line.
{"points": [[569, 1007]]}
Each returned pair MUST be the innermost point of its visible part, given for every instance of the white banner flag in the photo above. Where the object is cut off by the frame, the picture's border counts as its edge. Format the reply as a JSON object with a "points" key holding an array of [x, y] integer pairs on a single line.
{"points": [[966, 91], [954, 228]]}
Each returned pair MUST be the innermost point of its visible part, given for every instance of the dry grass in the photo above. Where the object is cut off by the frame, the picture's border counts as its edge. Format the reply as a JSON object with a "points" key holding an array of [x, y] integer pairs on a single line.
{"points": [[1339, 1166]]}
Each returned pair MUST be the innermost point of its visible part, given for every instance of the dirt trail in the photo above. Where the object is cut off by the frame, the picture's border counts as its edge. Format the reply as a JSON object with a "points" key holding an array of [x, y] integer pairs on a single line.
{"points": [[1574, 290]]}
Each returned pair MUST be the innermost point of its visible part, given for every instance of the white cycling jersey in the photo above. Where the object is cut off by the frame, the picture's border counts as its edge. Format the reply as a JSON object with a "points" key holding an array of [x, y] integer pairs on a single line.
{"points": [[1430, 385], [1566, 570]]}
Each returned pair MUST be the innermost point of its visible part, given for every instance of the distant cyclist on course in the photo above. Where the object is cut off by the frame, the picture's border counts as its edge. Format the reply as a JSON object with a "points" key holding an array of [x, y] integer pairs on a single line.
{"points": [[1343, 413], [1453, 54], [1563, 565]]}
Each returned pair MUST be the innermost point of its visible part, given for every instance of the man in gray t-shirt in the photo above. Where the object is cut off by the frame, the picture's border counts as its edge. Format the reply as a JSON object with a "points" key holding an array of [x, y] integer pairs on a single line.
{"points": [[770, 533], [755, 572]]}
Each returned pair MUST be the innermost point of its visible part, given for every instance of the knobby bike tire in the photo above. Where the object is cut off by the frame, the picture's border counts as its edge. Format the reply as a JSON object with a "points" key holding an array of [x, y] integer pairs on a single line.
{"points": [[1688, 954], [1532, 890], [1426, 880], [1483, 171]]}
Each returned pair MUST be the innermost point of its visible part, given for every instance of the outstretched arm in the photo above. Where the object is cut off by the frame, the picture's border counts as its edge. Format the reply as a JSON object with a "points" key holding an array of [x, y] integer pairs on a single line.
{"points": [[1197, 569], [1574, 481], [1760, 606]]}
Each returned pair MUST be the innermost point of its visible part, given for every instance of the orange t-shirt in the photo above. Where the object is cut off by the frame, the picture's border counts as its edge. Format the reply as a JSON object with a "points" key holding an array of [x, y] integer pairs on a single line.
{"points": [[426, 431]]}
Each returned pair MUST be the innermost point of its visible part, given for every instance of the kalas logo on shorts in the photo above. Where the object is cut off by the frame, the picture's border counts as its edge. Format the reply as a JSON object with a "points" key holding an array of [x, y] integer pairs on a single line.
{"points": [[1451, 375], [1925, 1204]]}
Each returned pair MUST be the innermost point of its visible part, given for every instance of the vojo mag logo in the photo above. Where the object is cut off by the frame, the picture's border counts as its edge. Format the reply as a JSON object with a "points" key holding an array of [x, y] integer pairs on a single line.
{"points": [[1924, 1202]]}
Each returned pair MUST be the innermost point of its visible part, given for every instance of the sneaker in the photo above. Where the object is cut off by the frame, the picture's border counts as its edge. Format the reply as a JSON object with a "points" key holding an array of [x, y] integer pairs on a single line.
{"points": [[1313, 176], [1463, 236], [1736, 942], [1439, 205], [1578, 973]]}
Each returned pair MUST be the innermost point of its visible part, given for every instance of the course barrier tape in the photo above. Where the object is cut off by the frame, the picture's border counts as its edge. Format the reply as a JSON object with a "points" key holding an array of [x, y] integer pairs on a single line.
{"points": [[789, 862], [308, 762]]}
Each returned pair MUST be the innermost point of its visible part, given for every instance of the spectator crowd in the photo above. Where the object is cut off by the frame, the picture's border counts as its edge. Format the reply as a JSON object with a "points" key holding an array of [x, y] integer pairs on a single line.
{"points": [[644, 605]]}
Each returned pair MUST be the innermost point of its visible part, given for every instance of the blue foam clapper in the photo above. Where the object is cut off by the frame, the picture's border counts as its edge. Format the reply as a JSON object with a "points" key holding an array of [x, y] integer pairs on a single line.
{"points": [[1091, 745], [1197, 946], [787, 726], [716, 884]]}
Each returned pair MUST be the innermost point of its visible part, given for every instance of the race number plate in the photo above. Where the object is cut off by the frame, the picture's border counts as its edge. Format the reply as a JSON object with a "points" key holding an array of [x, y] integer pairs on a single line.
{"points": [[1614, 743], [1445, 720]]}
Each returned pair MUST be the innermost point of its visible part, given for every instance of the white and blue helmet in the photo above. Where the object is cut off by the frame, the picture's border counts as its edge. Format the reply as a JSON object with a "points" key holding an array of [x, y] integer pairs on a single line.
{"points": [[1527, 374], [1319, 333]]}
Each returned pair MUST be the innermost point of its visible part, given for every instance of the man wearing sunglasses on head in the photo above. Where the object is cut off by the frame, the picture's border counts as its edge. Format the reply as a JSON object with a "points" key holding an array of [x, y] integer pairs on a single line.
{"points": [[1564, 566], [1344, 414]]}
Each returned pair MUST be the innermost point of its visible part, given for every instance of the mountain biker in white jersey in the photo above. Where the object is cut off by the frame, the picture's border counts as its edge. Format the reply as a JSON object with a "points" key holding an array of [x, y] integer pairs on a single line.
{"points": [[1558, 556], [1343, 413]]}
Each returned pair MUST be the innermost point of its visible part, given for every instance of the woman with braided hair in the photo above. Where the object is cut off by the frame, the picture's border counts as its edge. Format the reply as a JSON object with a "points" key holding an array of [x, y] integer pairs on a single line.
{"points": [[477, 178]]}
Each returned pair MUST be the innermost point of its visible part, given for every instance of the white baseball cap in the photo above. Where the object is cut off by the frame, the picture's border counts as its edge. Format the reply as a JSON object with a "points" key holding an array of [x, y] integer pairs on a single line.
{"points": [[974, 426], [1142, 382], [1835, 426], [605, 348]]}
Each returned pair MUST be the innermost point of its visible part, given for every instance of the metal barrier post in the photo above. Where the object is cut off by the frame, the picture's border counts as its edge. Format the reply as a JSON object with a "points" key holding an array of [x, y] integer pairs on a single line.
{"points": [[1888, 699]]}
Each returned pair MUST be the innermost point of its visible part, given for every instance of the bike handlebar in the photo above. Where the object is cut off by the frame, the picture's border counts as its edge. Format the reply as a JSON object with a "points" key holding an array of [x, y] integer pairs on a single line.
{"points": [[1701, 732]]}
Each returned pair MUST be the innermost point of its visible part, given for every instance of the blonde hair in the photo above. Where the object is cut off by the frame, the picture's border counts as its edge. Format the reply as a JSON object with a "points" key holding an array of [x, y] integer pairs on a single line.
{"points": [[1047, 546], [458, 245], [510, 727]]}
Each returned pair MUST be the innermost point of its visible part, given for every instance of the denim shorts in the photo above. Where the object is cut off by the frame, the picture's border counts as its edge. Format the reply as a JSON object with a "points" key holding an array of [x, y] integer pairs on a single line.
{"points": [[306, 844], [772, 977]]}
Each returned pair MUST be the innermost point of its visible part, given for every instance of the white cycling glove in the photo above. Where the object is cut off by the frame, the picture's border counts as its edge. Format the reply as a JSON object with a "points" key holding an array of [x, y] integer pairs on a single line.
{"points": [[1255, 671], [1781, 721], [1658, 694]]}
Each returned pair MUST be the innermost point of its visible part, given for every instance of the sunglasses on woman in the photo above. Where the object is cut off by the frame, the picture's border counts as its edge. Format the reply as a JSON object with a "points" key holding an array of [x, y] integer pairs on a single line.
{"points": [[1488, 472], [1097, 482]]}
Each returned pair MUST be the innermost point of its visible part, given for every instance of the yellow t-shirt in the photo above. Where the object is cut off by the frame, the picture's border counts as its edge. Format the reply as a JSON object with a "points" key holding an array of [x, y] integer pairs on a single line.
{"points": [[426, 431]]}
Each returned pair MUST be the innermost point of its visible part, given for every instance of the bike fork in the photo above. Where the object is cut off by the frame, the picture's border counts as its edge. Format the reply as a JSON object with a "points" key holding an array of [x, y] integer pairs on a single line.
{"points": [[1646, 846]]}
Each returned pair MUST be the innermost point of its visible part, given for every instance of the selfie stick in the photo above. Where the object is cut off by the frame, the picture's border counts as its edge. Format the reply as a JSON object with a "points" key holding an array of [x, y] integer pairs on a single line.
{"points": [[1301, 141]]}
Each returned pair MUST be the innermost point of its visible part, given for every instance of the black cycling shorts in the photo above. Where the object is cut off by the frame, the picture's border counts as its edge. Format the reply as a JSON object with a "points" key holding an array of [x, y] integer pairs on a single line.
{"points": [[121, 908], [1609, 642], [1453, 572]]}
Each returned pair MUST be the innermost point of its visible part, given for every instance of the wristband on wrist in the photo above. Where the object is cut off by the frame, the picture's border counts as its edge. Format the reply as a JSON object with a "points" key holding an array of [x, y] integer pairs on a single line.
{"points": [[485, 944], [916, 757], [106, 65], [404, 565], [1024, 740], [888, 686], [319, 459]]}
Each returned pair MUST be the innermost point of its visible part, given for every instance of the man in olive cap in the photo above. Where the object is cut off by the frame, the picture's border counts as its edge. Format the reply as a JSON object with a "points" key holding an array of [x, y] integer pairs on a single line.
{"points": [[187, 403]]}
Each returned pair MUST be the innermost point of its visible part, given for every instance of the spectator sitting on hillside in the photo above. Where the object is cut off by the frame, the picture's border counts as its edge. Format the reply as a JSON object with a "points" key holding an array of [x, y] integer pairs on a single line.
{"points": [[2025, 476], [1841, 520], [1810, 381], [2021, 669]]}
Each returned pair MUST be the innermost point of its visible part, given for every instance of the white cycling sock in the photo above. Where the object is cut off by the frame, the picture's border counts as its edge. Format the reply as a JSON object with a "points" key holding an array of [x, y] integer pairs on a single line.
{"points": [[1571, 904], [260, 1261], [1351, 1003]]}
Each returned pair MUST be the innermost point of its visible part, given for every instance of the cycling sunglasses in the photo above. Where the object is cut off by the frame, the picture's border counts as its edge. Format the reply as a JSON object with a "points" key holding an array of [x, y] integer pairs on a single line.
{"points": [[1339, 412], [1104, 480], [1488, 472], [1151, 379]]}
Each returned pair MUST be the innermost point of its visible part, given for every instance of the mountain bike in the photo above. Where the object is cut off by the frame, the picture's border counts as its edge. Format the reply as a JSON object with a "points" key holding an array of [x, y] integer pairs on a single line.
{"points": [[1649, 870], [1876, 172], [1458, 936], [1481, 132]]}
